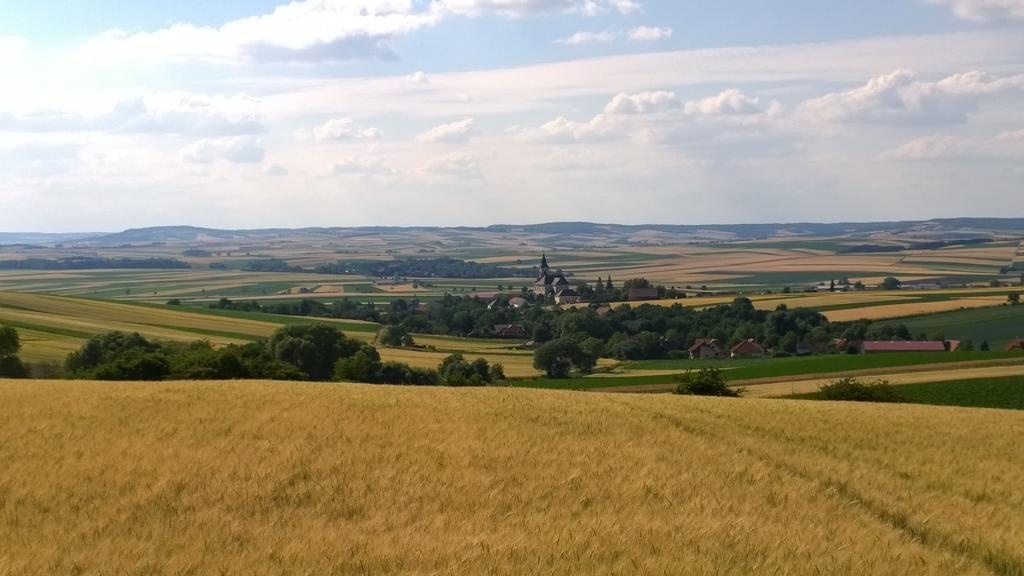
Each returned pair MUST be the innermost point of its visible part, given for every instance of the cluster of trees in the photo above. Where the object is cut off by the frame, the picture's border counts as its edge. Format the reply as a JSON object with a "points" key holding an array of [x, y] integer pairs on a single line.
{"points": [[441, 267], [604, 290], [315, 352], [11, 365], [91, 263], [271, 265]]}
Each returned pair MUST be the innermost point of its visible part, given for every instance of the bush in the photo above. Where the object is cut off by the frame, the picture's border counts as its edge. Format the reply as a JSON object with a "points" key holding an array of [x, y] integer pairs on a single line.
{"points": [[705, 382], [851, 389], [11, 365], [558, 357], [396, 336], [456, 371]]}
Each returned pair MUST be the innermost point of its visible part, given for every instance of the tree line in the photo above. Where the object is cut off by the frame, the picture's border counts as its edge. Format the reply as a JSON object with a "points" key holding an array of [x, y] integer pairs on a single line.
{"points": [[315, 352], [92, 263]]}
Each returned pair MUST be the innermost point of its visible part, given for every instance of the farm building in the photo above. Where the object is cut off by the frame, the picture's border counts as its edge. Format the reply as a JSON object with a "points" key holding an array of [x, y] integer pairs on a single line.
{"points": [[566, 295], [509, 331], [517, 302], [1015, 344], [549, 282], [642, 294], [808, 347], [877, 347], [706, 348], [748, 348]]}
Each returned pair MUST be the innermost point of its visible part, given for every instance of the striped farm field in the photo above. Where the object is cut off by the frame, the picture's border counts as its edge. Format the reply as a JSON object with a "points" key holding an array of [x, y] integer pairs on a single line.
{"points": [[300, 478], [54, 325], [912, 308], [516, 365]]}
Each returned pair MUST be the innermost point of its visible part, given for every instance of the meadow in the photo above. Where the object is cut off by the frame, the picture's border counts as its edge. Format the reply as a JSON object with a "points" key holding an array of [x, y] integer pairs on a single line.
{"points": [[297, 478]]}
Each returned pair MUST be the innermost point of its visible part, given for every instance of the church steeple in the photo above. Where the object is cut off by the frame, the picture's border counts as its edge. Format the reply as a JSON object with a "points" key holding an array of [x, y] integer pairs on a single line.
{"points": [[544, 264]]}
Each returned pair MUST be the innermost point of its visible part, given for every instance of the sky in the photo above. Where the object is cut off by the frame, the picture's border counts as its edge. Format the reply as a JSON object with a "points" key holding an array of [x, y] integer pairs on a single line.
{"points": [[262, 113]]}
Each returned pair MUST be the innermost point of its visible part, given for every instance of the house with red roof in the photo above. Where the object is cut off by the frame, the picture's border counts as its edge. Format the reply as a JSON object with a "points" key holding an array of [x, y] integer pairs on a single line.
{"points": [[748, 348], [1015, 344], [706, 348]]}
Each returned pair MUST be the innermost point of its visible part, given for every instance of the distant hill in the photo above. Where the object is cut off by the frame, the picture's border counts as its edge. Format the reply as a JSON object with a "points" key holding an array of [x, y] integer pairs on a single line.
{"points": [[945, 228], [42, 237]]}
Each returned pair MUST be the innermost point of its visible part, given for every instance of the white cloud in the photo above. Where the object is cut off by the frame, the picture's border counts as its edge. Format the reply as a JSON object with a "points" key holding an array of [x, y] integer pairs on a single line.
{"points": [[584, 37], [1016, 136], [275, 170], [563, 130], [1004, 146], [39, 158], [649, 33], [316, 30], [929, 148], [12, 48], [418, 77], [519, 8], [155, 113], [730, 101], [363, 165], [642, 103], [985, 10], [638, 34], [455, 164], [900, 97], [242, 150], [313, 30], [454, 132], [344, 129]]}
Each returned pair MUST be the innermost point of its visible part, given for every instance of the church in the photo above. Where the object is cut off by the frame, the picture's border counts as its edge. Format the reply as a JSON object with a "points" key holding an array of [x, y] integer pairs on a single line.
{"points": [[554, 284]]}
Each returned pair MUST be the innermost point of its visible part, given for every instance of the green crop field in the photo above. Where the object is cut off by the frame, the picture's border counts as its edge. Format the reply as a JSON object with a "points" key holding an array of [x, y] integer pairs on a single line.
{"points": [[1000, 392], [985, 393], [998, 325]]}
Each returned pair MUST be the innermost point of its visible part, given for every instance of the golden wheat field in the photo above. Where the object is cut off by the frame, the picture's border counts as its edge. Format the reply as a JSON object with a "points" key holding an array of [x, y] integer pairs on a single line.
{"points": [[912, 308], [297, 478]]}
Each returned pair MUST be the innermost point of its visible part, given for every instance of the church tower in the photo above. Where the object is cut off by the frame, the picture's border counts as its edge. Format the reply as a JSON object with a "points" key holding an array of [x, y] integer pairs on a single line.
{"points": [[544, 265]]}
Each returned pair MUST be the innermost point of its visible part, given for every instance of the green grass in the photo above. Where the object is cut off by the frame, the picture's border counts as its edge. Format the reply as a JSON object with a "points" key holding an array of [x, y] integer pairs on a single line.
{"points": [[1005, 392], [273, 318], [998, 324]]}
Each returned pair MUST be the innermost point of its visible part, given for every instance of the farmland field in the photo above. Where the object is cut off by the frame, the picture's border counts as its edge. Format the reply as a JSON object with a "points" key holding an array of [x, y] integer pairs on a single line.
{"points": [[986, 393], [53, 326], [654, 375], [271, 478], [996, 325]]}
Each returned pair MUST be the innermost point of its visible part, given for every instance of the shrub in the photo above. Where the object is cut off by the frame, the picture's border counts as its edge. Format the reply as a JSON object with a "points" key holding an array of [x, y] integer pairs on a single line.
{"points": [[11, 365], [851, 389], [558, 357], [705, 382]]}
